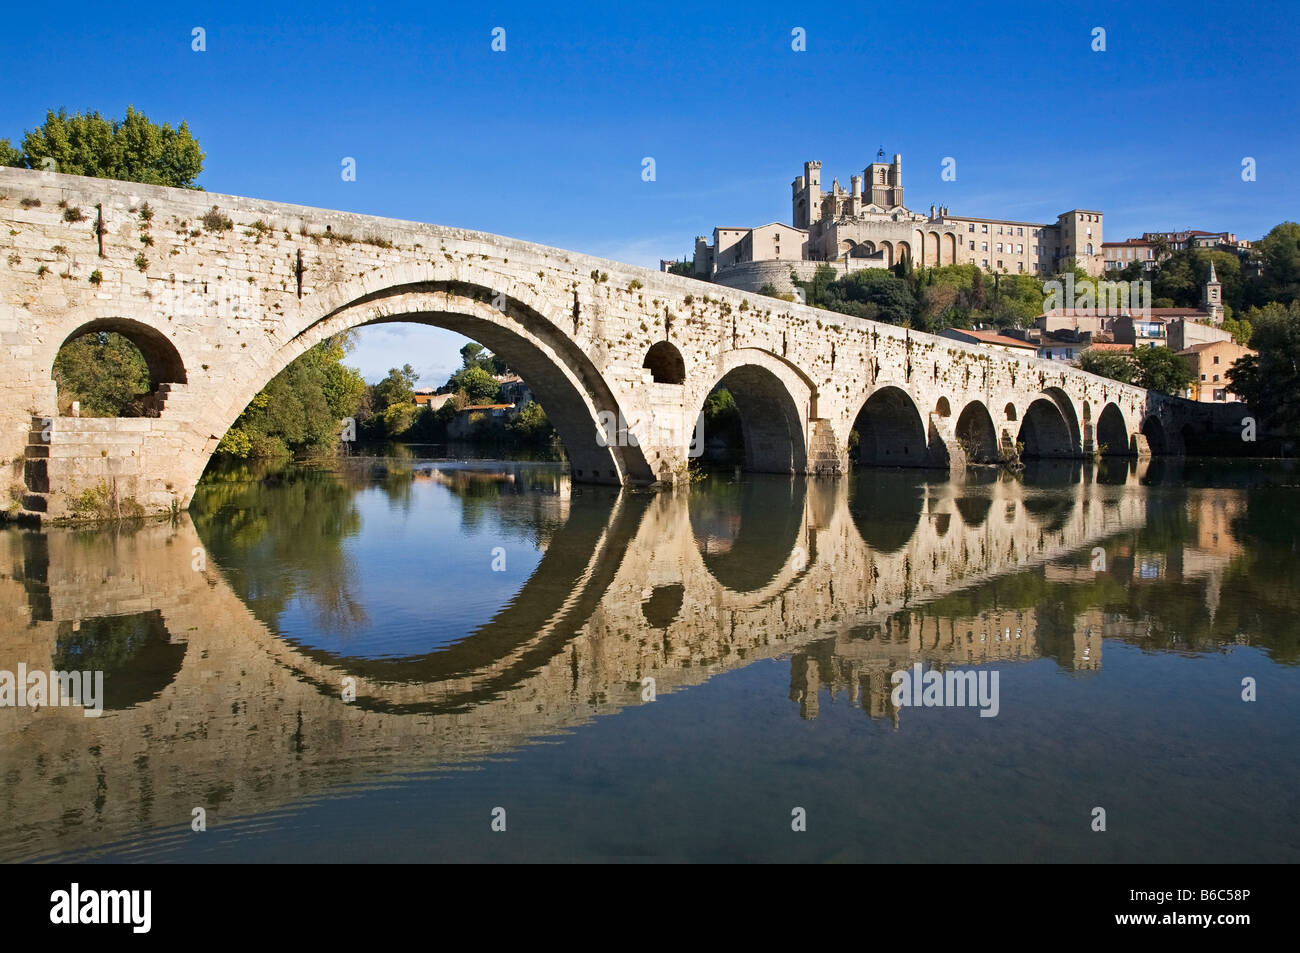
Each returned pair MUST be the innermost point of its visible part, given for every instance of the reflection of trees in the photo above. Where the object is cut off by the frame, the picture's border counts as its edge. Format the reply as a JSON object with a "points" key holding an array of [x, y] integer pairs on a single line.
{"points": [[135, 653], [281, 538]]}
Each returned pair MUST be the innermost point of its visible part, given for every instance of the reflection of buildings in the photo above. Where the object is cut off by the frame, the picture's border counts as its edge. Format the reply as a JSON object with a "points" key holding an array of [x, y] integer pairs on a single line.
{"points": [[860, 665], [623, 593]]}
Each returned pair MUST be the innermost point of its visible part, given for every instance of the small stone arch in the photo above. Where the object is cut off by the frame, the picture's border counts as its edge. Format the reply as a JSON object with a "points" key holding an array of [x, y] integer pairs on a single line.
{"points": [[888, 249], [975, 433], [1044, 430], [890, 431], [665, 364], [773, 402], [903, 249], [1066, 406], [163, 361], [1009, 411], [943, 408], [1112, 432]]}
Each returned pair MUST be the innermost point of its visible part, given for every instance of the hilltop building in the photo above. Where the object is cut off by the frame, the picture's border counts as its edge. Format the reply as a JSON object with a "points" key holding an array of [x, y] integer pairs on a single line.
{"points": [[868, 226], [1117, 255]]}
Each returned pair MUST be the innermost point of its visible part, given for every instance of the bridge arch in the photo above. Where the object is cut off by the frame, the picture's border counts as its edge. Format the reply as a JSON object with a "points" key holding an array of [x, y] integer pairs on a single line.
{"points": [[561, 376], [976, 434], [1112, 432], [890, 431], [165, 364], [775, 401], [1045, 432], [1157, 439], [665, 364]]}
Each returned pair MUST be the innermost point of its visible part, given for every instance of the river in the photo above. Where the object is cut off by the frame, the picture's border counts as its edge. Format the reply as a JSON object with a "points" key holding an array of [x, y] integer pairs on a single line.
{"points": [[432, 660]]}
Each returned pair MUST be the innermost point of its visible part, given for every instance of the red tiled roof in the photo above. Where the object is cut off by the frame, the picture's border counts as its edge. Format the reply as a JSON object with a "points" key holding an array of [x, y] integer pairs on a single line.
{"points": [[1109, 346], [992, 337]]}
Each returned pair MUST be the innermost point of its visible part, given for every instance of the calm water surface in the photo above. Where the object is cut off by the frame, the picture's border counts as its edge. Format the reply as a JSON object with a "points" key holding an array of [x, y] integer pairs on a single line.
{"points": [[364, 663]]}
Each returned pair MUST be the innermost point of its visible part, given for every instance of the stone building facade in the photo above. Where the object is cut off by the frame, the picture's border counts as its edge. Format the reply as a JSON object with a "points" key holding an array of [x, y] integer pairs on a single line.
{"points": [[868, 226]]}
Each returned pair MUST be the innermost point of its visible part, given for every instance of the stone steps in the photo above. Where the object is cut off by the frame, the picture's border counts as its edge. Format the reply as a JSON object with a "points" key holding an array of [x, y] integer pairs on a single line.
{"points": [[36, 475], [823, 451]]}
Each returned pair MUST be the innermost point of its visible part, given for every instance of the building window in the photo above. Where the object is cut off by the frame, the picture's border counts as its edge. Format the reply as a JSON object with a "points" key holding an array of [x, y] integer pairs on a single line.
{"points": [[972, 246], [1020, 266], [1220, 394], [984, 246], [970, 227], [984, 229], [999, 262], [1020, 249], [999, 246], [1202, 377], [1216, 359], [1216, 378], [986, 263]]}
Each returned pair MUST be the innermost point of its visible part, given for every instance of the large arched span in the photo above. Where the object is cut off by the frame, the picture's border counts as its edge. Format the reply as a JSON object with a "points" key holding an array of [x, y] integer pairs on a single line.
{"points": [[1045, 432], [890, 431], [1112, 432], [976, 434], [560, 375]]}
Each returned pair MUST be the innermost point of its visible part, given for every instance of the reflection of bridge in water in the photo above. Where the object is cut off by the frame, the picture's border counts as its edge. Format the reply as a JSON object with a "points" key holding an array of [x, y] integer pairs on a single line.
{"points": [[217, 711]]}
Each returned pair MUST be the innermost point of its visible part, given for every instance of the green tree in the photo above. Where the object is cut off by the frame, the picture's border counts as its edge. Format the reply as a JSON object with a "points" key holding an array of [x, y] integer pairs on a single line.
{"points": [[1160, 369], [300, 409], [531, 425], [132, 149], [1278, 254], [105, 372], [476, 383], [1241, 329], [1270, 383], [470, 354], [1115, 365], [1179, 280]]}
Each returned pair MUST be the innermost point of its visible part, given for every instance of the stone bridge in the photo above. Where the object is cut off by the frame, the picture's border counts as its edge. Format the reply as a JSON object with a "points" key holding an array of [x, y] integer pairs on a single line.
{"points": [[220, 293], [645, 586]]}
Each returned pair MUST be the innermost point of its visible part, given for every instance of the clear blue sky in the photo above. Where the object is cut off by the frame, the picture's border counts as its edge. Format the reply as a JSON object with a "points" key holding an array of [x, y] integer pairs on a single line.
{"points": [[544, 142]]}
